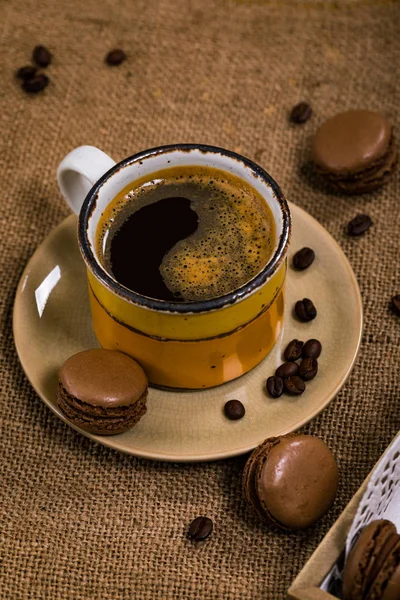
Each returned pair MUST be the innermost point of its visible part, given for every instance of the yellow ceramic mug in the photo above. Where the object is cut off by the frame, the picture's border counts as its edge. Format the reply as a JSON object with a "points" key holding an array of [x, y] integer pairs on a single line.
{"points": [[180, 345]]}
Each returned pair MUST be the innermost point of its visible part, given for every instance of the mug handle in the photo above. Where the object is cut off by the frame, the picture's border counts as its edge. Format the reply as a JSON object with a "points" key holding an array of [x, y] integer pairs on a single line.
{"points": [[79, 171]]}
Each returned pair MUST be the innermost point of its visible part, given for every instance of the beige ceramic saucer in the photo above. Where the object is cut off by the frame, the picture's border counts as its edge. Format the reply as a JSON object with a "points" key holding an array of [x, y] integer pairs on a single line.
{"points": [[52, 322]]}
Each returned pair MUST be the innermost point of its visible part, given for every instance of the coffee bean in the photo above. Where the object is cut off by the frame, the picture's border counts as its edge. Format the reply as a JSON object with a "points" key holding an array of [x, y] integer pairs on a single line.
{"points": [[275, 386], [288, 369], [301, 113], [359, 225], [200, 528], [294, 385], [293, 350], [303, 259], [234, 410], [308, 368], [27, 72], [36, 84], [312, 348], [396, 304], [115, 57], [41, 56], [305, 310]]}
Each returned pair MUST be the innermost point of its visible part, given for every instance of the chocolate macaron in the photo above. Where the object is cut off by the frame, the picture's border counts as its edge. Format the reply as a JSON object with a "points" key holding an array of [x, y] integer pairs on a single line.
{"points": [[291, 481], [355, 151], [372, 570], [102, 391]]}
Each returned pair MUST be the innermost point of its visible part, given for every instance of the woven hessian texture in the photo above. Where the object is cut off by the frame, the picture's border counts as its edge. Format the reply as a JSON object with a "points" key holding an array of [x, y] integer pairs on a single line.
{"points": [[78, 520]]}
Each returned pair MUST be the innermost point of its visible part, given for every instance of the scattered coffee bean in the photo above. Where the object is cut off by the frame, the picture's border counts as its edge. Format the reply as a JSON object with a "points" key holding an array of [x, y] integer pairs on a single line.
{"points": [[303, 259], [234, 410], [293, 350], [305, 310], [27, 72], [115, 57], [294, 385], [288, 369], [396, 304], [312, 349], [275, 386], [308, 368], [200, 528], [36, 84], [359, 225], [301, 113], [41, 56]]}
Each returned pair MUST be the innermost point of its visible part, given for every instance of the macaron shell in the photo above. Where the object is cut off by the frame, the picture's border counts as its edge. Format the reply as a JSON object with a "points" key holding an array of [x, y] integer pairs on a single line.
{"points": [[249, 477], [260, 507], [392, 590], [362, 558], [297, 481], [389, 568], [351, 141], [104, 378], [368, 179], [382, 549]]}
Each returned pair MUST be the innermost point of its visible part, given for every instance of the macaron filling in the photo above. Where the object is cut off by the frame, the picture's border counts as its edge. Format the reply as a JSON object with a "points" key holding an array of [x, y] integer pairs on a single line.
{"points": [[97, 419]]}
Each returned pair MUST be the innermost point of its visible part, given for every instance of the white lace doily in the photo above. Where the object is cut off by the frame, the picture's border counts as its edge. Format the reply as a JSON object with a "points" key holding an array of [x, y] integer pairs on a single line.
{"points": [[382, 496]]}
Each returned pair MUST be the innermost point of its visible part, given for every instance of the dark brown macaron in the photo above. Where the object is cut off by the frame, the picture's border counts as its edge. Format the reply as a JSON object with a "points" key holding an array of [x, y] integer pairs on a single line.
{"points": [[102, 391], [355, 151], [291, 481], [385, 584], [392, 586], [367, 557]]}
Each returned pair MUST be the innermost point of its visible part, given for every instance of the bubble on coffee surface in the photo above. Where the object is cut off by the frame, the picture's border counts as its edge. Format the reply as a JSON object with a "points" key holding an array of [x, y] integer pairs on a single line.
{"points": [[233, 241], [230, 246]]}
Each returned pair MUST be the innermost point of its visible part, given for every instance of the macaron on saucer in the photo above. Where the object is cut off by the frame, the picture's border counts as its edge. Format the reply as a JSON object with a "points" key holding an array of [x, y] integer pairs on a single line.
{"points": [[102, 391], [52, 322]]}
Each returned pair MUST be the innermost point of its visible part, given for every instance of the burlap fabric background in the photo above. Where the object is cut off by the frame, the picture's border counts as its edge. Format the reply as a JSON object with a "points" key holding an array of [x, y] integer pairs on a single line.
{"points": [[77, 520]]}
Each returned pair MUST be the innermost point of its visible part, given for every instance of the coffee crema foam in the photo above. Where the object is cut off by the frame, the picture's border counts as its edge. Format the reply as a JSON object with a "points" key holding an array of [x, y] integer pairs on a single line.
{"points": [[234, 239]]}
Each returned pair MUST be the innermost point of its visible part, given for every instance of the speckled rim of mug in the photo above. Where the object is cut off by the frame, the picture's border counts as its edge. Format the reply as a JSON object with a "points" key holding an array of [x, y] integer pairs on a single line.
{"points": [[248, 288]]}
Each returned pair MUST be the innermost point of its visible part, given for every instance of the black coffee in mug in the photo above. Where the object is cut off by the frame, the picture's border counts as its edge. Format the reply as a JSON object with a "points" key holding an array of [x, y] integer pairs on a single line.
{"points": [[189, 234]]}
